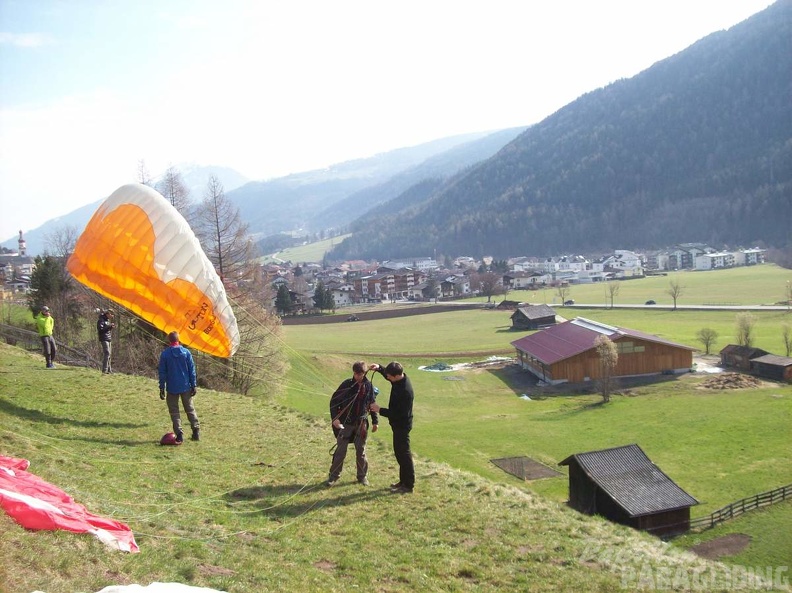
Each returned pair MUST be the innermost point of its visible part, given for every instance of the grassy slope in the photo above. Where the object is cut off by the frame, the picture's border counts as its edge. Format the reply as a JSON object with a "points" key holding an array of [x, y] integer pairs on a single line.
{"points": [[720, 446], [243, 510], [312, 252]]}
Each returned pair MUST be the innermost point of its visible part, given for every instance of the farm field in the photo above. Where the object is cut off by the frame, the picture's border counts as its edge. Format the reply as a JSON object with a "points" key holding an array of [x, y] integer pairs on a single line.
{"points": [[765, 284], [468, 417], [485, 331], [720, 446]]}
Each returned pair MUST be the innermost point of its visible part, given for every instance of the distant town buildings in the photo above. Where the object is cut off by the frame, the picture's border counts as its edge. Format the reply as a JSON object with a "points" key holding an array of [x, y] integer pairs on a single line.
{"points": [[16, 269]]}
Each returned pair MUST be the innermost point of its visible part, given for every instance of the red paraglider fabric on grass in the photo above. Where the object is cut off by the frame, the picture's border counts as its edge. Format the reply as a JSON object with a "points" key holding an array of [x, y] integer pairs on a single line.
{"points": [[36, 504]]}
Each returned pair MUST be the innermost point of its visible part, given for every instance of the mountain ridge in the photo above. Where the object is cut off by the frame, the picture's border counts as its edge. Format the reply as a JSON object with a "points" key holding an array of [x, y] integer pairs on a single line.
{"points": [[698, 147]]}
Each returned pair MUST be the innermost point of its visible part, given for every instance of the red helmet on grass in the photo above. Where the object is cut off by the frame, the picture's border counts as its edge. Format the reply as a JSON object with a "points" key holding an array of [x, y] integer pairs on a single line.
{"points": [[169, 439]]}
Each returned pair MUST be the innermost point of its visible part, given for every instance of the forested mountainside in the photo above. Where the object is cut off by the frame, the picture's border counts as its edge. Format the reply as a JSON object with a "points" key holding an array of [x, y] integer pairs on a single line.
{"points": [[696, 148], [301, 200]]}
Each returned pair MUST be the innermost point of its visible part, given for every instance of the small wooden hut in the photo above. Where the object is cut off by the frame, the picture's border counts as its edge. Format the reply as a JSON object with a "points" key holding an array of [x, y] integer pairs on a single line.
{"points": [[774, 367], [623, 485], [739, 357], [529, 317]]}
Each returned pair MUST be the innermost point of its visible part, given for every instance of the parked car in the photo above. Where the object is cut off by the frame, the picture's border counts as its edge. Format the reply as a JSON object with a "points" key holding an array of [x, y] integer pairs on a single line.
{"points": [[353, 318], [650, 302], [569, 302]]}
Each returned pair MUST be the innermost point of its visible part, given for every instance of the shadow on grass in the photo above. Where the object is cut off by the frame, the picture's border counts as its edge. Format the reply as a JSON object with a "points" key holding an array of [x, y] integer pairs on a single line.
{"points": [[38, 416], [266, 497], [520, 382]]}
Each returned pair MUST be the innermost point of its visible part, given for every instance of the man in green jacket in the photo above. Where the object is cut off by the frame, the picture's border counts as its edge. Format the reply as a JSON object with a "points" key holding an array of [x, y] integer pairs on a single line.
{"points": [[45, 323]]}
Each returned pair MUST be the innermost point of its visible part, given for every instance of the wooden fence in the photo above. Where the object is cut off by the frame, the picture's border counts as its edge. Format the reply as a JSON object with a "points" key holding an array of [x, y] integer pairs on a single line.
{"points": [[736, 509], [29, 340]]}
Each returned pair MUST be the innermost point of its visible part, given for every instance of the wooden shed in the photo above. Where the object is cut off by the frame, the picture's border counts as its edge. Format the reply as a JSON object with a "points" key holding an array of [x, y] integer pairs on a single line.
{"points": [[566, 352], [739, 357], [774, 367], [529, 317], [623, 485]]}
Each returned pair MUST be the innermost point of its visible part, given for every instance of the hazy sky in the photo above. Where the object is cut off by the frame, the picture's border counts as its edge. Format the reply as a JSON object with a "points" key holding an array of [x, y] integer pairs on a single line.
{"points": [[89, 88]]}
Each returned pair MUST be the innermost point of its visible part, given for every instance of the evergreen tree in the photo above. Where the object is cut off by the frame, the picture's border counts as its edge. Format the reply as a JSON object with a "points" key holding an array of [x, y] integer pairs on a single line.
{"points": [[283, 301], [51, 285]]}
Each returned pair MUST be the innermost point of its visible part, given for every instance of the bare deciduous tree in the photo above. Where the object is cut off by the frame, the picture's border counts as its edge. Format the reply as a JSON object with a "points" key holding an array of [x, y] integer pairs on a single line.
{"points": [[173, 189], [613, 291], [61, 240], [489, 284], [563, 291], [786, 334], [707, 337], [745, 328], [260, 360], [223, 235], [675, 290], [143, 175], [608, 359]]}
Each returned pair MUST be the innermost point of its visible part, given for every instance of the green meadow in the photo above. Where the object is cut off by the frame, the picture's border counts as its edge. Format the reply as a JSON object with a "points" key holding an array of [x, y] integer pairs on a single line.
{"points": [[468, 417], [719, 445], [311, 252], [765, 284], [245, 509]]}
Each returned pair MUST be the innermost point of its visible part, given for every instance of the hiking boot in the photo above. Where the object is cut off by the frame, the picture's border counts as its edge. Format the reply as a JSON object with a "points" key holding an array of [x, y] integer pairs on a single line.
{"points": [[396, 485], [331, 482], [402, 490], [180, 437], [196, 435], [363, 482]]}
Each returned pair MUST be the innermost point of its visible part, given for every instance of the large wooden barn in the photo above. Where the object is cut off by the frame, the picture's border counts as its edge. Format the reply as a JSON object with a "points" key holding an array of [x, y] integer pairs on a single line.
{"points": [[623, 485], [566, 352]]}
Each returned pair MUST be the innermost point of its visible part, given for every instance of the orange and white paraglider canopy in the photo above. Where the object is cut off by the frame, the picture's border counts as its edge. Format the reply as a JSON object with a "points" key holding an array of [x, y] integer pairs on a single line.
{"points": [[138, 251]]}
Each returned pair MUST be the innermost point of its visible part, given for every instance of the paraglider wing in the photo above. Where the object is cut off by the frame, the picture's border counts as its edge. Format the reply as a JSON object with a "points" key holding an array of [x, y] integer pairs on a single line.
{"points": [[138, 251], [36, 504]]}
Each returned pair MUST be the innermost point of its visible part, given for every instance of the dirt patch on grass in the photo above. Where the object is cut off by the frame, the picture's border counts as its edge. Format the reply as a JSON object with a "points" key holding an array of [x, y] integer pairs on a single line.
{"points": [[728, 545], [731, 381]]}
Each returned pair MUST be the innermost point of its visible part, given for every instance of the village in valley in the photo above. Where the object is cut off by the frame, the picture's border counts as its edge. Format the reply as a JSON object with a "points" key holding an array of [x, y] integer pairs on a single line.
{"points": [[425, 279]]}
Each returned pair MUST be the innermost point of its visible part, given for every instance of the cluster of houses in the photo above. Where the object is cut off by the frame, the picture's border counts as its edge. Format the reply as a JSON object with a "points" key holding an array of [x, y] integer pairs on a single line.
{"points": [[423, 279]]}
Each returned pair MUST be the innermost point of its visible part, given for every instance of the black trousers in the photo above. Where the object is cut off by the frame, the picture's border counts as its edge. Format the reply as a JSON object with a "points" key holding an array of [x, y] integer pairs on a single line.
{"points": [[401, 449]]}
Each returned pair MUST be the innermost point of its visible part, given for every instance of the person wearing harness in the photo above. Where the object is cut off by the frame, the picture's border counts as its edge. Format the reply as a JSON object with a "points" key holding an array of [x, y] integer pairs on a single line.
{"points": [[400, 415], [349, 411], [104, 328]]}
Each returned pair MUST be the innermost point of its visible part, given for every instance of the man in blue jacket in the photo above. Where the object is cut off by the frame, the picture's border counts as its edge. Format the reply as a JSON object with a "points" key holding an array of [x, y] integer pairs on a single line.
{"points": [[177, 377]]}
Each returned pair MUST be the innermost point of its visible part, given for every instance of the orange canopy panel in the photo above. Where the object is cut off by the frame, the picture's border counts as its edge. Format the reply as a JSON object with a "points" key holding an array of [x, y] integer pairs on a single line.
{"points": [[138, 251]]}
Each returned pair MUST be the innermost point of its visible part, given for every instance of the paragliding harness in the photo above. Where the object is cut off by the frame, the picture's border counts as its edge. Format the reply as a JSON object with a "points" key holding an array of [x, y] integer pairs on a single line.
{"points": [[344, 398]]}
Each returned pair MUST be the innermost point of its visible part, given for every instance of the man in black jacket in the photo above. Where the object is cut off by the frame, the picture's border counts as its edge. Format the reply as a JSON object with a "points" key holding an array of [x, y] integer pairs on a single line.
{"points": [[104, 328], [400, 415]]}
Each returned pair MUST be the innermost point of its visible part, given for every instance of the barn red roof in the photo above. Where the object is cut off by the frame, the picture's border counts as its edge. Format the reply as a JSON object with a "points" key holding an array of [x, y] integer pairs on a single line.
{"points": [[573, 337]]}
